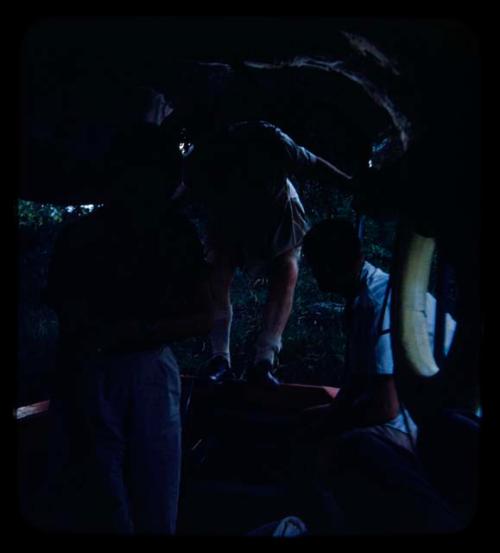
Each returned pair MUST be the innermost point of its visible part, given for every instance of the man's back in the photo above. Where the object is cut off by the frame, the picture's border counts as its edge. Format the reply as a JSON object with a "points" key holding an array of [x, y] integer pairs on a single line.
{"points": [[250, 159], [118, 272]]}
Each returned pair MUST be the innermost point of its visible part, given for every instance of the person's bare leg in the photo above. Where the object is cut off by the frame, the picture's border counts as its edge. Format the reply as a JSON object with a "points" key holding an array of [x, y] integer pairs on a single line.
{"points": [[221, 276], [282, 281]]}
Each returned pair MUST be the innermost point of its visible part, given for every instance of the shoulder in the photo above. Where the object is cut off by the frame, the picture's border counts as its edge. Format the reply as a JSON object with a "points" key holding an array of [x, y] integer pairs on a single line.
{"points": [[374, 288]]}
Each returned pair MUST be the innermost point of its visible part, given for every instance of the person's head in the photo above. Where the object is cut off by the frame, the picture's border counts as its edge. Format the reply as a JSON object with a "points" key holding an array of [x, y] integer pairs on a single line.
{"points": [[333, 250], [147, 175], [148, 105]]}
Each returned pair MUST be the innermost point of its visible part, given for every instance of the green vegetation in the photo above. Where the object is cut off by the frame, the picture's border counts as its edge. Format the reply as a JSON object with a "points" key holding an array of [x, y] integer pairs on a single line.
{"points": [[313, 344]]}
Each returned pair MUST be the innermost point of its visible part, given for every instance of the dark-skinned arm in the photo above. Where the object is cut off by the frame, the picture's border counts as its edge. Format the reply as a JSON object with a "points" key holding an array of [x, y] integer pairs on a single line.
{"points": [[366, 400], [325, 171]]}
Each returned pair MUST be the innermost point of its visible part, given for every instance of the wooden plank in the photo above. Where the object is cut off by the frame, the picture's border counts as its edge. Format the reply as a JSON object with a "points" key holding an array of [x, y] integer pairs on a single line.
{"points": [[286, 396], [241, 395], [31, 410]]}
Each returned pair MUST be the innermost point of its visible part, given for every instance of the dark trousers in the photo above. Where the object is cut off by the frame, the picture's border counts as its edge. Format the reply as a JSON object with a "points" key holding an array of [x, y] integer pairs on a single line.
{"points": [[368, 481], [116, 444], [382, 488]]}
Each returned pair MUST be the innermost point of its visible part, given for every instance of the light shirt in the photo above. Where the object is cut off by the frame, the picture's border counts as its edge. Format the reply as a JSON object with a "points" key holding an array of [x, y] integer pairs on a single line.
{"points": [[369, 348]]}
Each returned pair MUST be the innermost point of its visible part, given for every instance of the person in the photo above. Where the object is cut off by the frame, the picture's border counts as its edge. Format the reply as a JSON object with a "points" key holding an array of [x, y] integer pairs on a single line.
{"points": [[367, 459], [244, 175], [369, 394], [126, 281]]}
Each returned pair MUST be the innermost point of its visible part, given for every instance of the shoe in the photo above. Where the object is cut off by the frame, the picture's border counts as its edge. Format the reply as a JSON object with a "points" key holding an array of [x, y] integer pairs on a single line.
{"points": [[217, 370], [261, 374]]}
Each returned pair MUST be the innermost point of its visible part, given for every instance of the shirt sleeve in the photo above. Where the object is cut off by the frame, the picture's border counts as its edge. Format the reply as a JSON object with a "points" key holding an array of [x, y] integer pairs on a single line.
{"points": [[370, 350], [450, 323], [450, 328], [383, 360], [299, 157]]}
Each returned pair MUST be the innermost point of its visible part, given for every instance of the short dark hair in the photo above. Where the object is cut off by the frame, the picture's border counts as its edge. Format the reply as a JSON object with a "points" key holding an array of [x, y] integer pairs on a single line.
{"points": [[334, 240]]}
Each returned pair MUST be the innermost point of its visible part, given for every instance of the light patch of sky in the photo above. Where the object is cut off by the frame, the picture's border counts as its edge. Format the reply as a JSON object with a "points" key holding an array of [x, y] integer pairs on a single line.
{"points": [[86, 207]]}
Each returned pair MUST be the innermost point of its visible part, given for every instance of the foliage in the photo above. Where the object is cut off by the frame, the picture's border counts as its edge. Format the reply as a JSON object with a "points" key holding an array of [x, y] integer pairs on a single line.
{"points": [[37, 328], [313, 344], [36, 215]]}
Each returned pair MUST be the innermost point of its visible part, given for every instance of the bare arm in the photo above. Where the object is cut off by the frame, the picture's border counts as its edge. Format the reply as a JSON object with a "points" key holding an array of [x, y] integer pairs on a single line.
{"points": [[372, 400], [324, 171], [307, 164], [365, 401], [332, 168]]}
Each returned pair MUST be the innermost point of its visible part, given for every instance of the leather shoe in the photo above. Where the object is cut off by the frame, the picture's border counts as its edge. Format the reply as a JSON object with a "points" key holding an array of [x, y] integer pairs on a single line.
{"points": [[217, 370], [261, 374]]}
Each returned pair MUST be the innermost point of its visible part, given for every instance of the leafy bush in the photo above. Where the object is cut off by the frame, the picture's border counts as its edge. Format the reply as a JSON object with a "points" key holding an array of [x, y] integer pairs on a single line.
{"points": [[313, 343]]}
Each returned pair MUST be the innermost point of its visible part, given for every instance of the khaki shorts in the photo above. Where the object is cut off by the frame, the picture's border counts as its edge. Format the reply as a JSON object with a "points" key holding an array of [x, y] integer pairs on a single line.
{"points": [[252, 241]]}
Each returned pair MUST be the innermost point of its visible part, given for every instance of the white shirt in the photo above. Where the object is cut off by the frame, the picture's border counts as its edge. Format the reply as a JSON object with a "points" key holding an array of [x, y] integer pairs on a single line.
{"points": [[369, 349]]}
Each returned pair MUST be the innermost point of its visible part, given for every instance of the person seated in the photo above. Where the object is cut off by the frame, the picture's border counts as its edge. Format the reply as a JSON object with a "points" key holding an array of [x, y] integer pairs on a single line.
{"points": [[369, 397], [363, 445]]}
